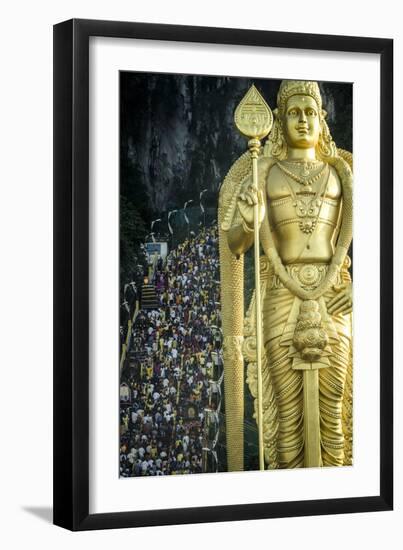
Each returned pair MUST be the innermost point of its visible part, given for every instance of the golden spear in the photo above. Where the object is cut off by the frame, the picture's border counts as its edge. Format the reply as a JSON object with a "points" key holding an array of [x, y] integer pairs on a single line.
{"points": [[254, 119]]}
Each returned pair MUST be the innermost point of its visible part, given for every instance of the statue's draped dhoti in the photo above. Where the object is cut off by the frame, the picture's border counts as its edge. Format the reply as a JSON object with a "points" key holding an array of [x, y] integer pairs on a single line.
{"points": [[286, 376]]}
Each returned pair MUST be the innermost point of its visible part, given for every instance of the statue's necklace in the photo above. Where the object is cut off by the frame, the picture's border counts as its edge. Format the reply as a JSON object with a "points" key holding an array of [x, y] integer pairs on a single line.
{"points": [[303, 177], [308, 209]]}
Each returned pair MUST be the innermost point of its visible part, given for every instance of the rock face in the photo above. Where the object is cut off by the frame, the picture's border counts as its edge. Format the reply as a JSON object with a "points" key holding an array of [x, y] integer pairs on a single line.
{"points": [[178, 136]]}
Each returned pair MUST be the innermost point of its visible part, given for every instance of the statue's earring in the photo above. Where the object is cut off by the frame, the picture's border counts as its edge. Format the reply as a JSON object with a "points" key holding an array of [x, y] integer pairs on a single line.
{"points": [[323, 115], [326, 144], [276, 145]]}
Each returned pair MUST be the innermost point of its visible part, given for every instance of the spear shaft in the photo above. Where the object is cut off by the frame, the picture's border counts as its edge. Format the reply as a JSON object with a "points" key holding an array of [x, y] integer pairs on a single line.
{"points": [[254, 146]]}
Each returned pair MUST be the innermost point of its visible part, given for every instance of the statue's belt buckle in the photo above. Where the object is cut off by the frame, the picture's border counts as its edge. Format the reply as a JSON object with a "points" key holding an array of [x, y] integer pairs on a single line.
{"points": [[308, 275]]}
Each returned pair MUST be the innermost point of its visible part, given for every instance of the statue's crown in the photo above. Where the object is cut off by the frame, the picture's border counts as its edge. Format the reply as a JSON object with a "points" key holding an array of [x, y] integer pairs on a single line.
{"points": [[289, 88]]}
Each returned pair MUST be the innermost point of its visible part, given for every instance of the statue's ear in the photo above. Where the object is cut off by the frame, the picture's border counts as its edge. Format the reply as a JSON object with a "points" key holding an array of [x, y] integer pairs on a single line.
{"points": [[275, 113], [324, 114]]}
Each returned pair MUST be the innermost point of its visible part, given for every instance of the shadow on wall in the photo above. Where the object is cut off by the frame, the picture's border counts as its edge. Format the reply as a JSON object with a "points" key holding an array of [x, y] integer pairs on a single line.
{"points": [[44, 513]]}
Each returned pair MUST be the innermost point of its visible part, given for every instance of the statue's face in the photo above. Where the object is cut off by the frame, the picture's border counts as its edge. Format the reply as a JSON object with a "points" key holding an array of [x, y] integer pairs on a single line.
{"points": [[301, 122]]}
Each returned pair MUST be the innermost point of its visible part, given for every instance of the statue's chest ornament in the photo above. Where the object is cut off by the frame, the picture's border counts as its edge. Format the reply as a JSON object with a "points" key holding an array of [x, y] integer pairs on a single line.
{"points": [[305, 173], [308, 211], [307, 208]]}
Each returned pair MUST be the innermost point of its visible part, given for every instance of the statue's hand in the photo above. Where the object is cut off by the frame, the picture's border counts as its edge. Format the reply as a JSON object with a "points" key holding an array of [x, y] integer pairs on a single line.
{"points": [[342, 303], [246, 203]]}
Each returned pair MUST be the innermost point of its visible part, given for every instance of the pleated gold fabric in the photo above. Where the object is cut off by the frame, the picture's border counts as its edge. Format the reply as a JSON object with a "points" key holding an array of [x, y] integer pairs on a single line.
{"points": [[279, 309]]}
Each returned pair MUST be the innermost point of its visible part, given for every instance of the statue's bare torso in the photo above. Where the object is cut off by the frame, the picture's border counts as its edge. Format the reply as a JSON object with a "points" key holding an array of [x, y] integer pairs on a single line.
{"points": [[294, 245]]}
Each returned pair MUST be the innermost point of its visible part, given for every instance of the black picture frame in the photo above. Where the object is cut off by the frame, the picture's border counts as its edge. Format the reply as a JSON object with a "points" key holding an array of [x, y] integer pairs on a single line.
{"points": [[71, 274]]}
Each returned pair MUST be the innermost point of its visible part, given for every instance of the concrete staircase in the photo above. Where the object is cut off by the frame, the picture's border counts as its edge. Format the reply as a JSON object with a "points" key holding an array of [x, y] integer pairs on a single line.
{"points": [[148, 297]]}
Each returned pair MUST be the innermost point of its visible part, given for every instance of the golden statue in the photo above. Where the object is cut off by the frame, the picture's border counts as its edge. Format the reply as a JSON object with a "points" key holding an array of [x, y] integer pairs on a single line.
{"points": [[292, 199]]}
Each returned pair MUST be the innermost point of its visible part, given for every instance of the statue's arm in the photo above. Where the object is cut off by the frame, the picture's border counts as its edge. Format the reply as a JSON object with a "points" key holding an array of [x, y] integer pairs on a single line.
{"points": [[240, 235]]}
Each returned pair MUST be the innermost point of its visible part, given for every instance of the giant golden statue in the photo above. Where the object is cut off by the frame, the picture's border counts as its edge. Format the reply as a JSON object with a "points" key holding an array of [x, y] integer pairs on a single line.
{"points": [[292, 200]]}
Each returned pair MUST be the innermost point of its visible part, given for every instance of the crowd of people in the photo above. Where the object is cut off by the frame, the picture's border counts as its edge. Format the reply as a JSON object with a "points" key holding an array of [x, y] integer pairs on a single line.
{"points": [[168, 372], [131, 293]]}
